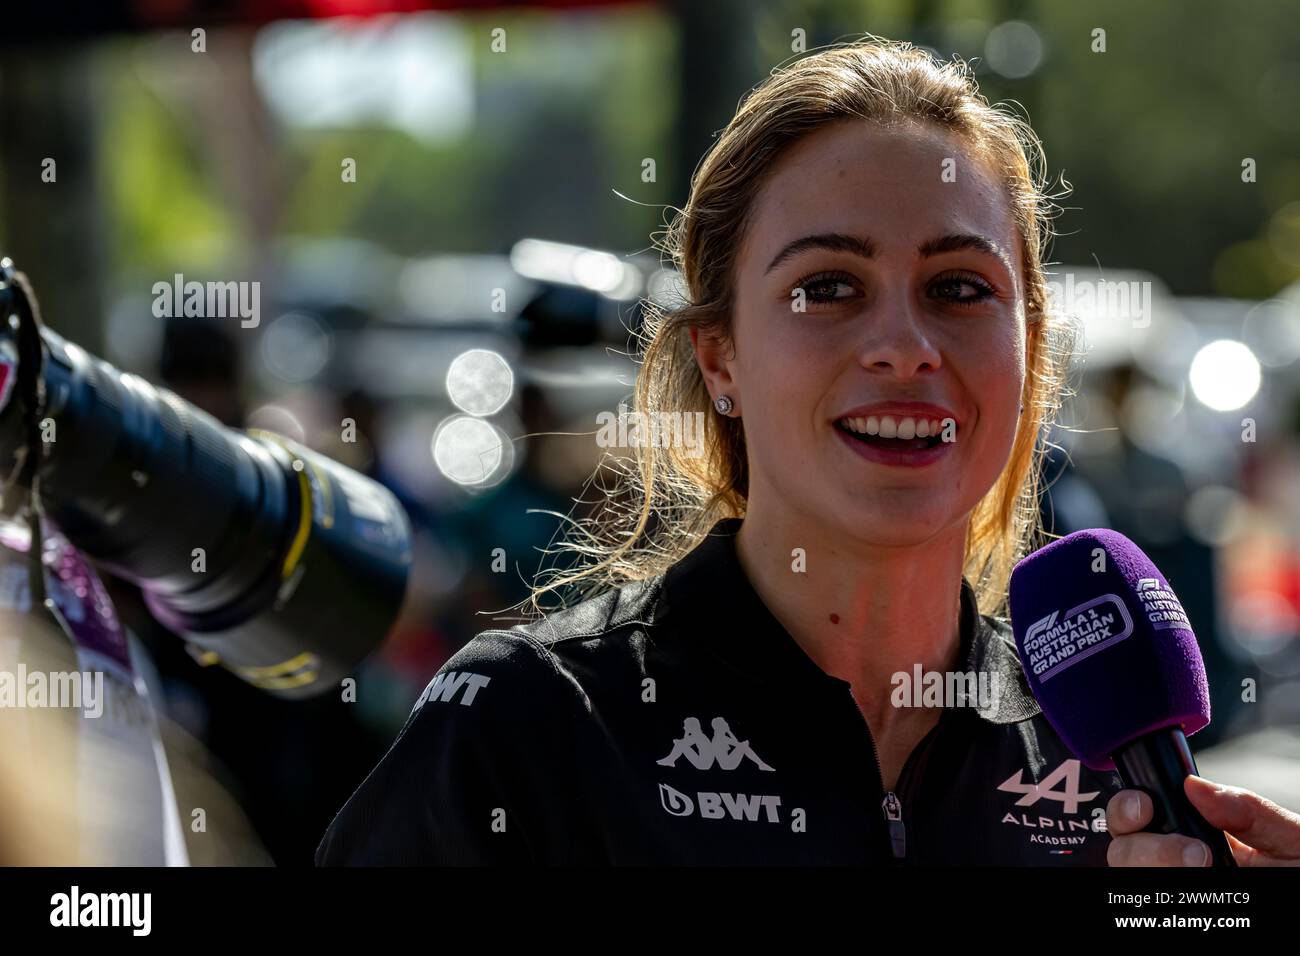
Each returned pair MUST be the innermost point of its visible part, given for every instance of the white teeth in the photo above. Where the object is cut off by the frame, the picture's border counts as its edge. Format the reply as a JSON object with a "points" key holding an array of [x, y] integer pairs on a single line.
{"points": [[891, 426]]}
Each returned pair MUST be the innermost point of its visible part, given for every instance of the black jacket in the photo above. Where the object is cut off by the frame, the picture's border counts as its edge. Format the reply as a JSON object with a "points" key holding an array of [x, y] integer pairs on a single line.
{"points": [[675, 721]]}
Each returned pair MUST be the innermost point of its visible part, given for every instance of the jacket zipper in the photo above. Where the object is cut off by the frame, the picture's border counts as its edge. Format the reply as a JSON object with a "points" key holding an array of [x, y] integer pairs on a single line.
{"points": [[891, 806]]}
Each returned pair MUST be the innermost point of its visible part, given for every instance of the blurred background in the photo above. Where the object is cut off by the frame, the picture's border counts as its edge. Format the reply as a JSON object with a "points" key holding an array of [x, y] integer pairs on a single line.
{"points": [[449, 213]]}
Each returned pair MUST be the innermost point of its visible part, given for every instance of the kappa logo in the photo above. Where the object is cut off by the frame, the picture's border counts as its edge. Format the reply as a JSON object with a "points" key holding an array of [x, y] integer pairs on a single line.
{"points": [[703, 751], [727, 752]]}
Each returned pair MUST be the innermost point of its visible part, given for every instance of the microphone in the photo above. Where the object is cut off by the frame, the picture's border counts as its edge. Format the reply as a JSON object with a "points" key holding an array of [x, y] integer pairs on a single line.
{"points": [[1111, 658], [272, 560]]}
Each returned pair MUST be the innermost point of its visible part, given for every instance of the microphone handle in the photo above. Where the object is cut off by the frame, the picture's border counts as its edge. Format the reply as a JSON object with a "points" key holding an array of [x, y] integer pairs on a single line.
{"points": [[1158, 763]]}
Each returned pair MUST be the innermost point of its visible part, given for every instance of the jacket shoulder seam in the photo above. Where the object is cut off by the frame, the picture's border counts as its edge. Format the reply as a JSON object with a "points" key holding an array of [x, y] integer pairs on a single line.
{"points": [[609, 628]]}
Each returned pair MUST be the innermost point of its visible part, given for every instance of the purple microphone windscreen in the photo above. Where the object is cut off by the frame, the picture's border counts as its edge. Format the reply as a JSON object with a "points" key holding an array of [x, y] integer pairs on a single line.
{"points": [[1106, 646]]}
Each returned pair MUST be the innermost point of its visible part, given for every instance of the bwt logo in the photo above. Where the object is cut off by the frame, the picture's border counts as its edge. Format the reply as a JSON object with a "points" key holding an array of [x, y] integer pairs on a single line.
{"points": [[720, 806], [444, 687]]}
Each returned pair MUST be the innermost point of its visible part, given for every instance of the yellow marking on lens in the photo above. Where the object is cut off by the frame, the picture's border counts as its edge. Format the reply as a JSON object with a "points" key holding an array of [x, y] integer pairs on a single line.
{"points": [[305, 659], [304, 518], [304, 528], [286, 683]]}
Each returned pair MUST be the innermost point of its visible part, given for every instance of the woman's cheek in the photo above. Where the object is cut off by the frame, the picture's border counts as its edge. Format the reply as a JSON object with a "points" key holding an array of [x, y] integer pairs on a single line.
{"points": [[790, 365], [1009, 413], [1000, 378]]}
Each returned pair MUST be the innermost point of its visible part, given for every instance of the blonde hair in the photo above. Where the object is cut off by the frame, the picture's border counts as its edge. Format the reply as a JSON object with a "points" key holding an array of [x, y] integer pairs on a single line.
{"points": [[666, 500]]}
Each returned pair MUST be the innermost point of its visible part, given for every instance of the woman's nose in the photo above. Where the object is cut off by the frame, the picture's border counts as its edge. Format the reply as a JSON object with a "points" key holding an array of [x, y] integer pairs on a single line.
{"points": [[895, 337]]}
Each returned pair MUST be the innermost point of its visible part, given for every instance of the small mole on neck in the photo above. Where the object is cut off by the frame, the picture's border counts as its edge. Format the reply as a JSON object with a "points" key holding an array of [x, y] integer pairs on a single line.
{"points": [[835, 619]]}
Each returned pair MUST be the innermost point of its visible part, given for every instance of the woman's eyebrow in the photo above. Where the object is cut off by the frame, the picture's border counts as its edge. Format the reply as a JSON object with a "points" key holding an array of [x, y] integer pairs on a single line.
{"points": [[834, 241], [859, 246], [934, 247]]}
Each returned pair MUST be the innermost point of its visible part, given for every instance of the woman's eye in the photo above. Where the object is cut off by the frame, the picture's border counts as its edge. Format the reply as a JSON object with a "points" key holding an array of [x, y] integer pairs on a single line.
{"points": [[962, 290], [827, 288]]}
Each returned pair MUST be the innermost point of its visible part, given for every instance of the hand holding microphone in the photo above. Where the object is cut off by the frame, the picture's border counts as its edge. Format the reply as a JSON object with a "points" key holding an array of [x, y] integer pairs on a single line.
{"points": [[1260, 832], [1111, 658]]}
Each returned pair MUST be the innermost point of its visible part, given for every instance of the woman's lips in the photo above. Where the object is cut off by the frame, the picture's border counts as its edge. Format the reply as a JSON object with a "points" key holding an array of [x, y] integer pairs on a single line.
{"points": [[901, 456]]}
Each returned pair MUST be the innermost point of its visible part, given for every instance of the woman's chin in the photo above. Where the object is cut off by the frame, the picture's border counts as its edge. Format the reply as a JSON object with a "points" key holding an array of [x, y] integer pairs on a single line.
{"points": [[905, 521]]}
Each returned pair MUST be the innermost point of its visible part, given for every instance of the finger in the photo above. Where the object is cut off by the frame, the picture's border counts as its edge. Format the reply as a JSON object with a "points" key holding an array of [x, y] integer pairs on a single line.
{"points": [[1246, 855], [1157, 849], [1254, 820], [1128, 812]]}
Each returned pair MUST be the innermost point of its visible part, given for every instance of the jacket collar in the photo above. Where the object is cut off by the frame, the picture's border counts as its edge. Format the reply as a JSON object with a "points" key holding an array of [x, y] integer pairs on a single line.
{"points": [[712, 604]]}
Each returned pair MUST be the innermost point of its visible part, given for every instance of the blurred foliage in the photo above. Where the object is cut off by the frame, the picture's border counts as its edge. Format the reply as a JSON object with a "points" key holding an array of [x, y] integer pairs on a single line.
{"points": [[164, 213], [560, 120], [1150, 133], [1153, 132]]}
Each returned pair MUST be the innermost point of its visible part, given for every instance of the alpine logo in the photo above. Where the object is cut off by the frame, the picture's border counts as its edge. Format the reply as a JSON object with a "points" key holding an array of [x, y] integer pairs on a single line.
{"points": [[1067, 832], [1070, 797], [703, 751]]}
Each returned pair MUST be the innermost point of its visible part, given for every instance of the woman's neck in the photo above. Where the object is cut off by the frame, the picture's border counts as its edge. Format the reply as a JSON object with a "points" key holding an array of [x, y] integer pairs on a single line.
{"points": [[862, 613]]}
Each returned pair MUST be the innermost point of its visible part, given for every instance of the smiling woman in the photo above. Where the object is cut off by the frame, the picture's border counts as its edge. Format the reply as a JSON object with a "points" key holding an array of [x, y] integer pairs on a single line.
{"points": [[863, 259], [866, 333]]}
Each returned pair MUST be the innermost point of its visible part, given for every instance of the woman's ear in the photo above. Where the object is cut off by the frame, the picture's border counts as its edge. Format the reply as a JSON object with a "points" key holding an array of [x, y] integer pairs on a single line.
{"points": [[714, 354]]}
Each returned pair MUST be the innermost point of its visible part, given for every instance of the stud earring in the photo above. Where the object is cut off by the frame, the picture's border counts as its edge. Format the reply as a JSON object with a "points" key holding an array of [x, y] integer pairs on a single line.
{"points": [[724, 404]]}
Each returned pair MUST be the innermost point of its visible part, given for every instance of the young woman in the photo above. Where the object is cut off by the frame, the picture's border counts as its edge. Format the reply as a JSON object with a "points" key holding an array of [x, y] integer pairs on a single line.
{"points": [[866, 328]]}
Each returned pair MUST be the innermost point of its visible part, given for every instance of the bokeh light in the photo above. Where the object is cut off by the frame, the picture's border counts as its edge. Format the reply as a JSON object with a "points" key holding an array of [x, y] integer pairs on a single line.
{"points": [[1224, 375]]}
